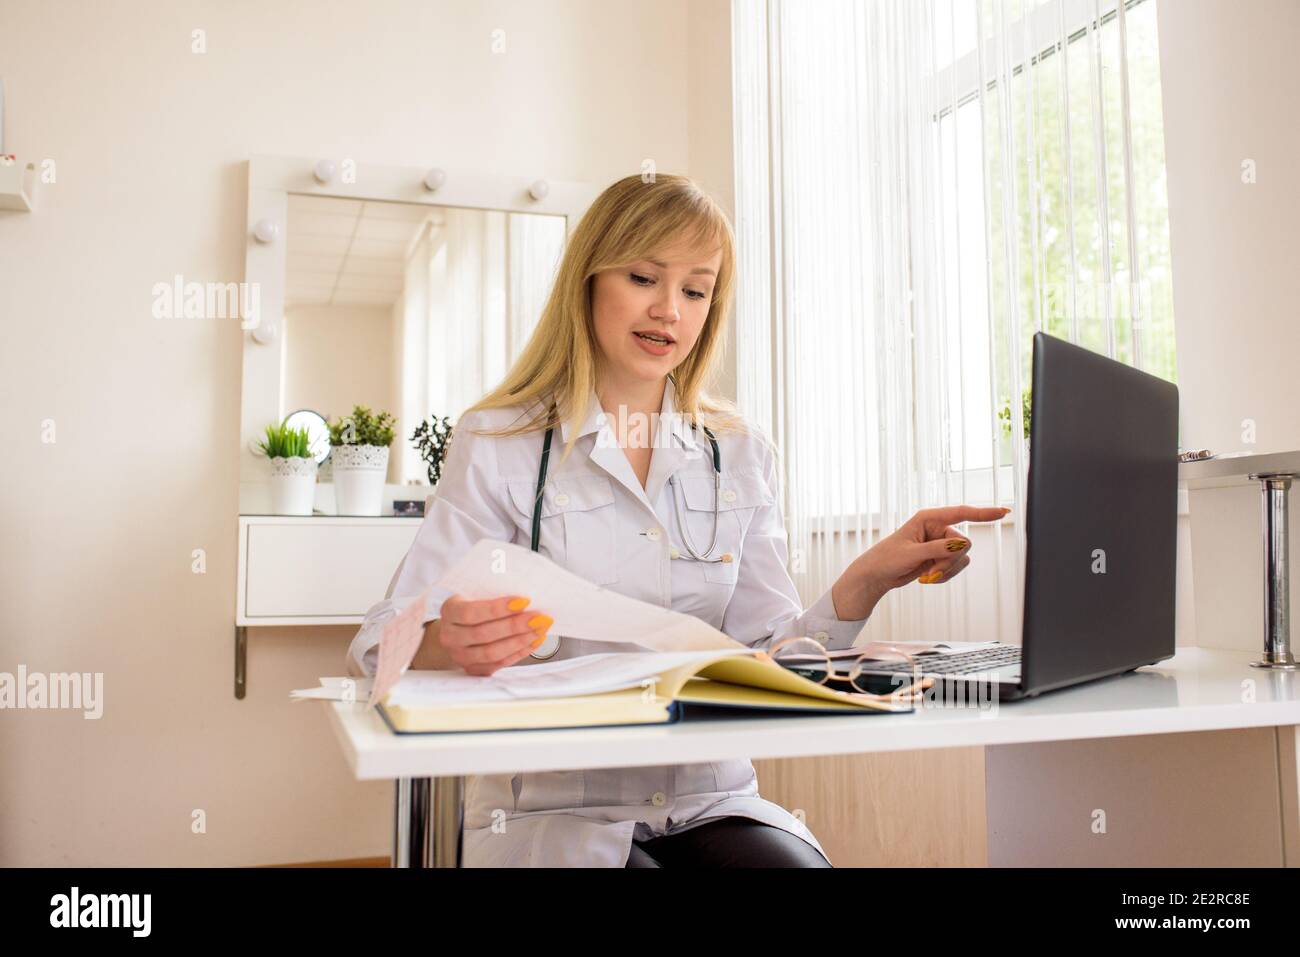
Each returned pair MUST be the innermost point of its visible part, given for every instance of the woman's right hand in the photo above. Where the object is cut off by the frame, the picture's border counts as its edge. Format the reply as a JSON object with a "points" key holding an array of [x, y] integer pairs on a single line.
{"points": [[483, 636]]}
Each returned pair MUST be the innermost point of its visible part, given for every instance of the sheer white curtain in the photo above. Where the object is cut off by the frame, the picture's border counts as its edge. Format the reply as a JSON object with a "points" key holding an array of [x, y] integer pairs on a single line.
{"points": [[476, 282], [921, 185]]}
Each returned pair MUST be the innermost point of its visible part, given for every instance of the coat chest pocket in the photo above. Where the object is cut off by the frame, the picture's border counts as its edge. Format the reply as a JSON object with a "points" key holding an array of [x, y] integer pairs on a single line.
{"points": [[547, 790], [577, 523], [739, 496]]}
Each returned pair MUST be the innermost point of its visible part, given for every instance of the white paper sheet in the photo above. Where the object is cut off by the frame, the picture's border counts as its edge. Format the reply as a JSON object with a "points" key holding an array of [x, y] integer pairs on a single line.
{"points": [[492, 569], [565, 677], [336, 689]]}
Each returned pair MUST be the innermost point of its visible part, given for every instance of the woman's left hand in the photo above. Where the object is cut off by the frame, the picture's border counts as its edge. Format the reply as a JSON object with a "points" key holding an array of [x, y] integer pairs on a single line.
{"points": [[926, 547]]}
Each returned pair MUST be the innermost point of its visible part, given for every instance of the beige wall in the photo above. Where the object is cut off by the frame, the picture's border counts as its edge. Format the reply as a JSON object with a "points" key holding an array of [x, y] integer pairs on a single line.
{"points": [[150, 142], [337, 357], [1229, 75]]}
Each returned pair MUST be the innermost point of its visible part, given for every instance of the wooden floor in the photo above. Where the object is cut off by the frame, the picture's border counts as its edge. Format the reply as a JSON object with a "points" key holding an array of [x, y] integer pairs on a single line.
{"points": [[353, 862]]}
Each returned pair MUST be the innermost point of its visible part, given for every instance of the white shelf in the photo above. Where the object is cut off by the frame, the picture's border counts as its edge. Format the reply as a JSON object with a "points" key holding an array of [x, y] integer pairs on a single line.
{"points": [[1235, 468], [302, 570], [316, 570], [266, 518], [18, 187]]}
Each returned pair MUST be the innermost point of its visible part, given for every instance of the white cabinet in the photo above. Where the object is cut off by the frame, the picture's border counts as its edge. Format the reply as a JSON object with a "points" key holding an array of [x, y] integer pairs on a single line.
{"points": [[300, 570], [316, 570]]}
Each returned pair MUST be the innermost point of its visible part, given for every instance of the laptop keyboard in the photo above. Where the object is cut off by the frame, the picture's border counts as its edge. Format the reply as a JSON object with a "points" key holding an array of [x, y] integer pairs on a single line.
{"points": [[963, 662]]}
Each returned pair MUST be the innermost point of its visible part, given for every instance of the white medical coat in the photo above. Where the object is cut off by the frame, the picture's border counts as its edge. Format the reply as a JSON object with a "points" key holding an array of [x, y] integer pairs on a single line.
{"points": [[599, 522]]}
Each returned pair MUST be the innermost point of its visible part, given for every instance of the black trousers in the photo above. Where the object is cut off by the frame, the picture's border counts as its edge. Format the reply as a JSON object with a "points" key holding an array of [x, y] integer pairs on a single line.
{"points": [[726, 842]]}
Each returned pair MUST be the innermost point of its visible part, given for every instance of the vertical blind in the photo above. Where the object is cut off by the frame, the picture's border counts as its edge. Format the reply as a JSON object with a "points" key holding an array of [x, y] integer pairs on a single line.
{"points": [[921, 185], [475, 284]]}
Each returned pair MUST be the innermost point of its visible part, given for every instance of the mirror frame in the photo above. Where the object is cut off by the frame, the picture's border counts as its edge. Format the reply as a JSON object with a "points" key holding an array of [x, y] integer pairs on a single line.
{"points": [[271, 180]]}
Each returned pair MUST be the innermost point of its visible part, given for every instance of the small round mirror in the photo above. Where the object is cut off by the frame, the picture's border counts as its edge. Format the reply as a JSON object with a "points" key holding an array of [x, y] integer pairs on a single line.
{"points": [[317, 431]]}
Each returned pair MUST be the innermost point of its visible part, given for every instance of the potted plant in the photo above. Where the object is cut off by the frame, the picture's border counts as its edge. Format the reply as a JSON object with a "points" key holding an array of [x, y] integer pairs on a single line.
{"points": [[431, 440], [1004, 415], [293, 469], [359, 452]]}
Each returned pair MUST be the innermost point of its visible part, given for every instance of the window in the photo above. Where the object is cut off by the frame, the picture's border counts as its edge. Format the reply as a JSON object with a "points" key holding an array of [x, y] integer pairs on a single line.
{"points": [[1039, 247], [911, 207]]}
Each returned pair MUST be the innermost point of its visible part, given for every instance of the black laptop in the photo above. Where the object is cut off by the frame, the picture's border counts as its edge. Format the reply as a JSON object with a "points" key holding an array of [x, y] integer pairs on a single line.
{"points": [[1101, 535]]}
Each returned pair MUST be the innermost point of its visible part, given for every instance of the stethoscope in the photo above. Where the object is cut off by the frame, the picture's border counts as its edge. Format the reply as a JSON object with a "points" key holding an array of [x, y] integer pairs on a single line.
{"points": [[549, 648]]}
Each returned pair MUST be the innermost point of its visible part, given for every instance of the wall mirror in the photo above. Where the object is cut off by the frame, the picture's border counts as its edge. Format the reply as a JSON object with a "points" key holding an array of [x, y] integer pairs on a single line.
{"points": [[317, 431], [413, 309], [376, 290]]}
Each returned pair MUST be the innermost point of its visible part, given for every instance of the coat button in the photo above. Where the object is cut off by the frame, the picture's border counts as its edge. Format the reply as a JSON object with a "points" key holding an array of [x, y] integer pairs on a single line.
{"points": [[674, 553], [658, 799], [821, 636], [561, 499], [653, 534], [728, 496]]}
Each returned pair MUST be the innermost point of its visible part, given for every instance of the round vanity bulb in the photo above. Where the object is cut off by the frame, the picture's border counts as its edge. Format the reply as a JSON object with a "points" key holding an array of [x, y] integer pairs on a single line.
{"points": [[265, 332], [539, 189], [434, 179], [323, 171], [265, 231]]}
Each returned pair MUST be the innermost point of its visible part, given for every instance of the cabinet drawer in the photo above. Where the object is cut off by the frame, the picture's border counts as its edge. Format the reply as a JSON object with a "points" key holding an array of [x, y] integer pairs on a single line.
{"points": [[306, 570]]}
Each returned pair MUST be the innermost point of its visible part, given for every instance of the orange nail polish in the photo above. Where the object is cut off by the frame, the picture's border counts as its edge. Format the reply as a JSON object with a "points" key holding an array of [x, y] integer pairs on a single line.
{"points": [[955, 545], [518, 604], [541, 621], [930, 578], [540, 639]]}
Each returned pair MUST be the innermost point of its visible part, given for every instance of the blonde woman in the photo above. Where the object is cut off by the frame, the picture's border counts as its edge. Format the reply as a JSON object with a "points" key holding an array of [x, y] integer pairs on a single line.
{"points": [[632, 334]]}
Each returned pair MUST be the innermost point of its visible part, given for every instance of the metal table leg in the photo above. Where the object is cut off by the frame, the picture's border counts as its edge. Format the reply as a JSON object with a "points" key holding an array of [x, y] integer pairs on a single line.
{"points": [[1275, 488], [427, 818], [241, 661]]}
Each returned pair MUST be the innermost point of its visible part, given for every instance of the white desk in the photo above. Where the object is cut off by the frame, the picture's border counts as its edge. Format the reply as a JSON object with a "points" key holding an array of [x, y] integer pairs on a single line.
{"points": [[1197, 690]]}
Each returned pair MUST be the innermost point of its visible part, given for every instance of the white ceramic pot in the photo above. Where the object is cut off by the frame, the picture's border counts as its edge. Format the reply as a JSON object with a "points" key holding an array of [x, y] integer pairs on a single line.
{"points": [[359, 472], [293, 485]]}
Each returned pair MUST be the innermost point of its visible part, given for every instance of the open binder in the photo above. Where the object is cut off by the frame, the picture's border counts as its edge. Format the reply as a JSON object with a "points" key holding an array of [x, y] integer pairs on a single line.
{"points": [[725, 684]]}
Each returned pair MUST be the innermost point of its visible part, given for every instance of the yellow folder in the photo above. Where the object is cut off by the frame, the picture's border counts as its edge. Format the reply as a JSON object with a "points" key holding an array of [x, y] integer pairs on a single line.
{"points": [[749, 684]]}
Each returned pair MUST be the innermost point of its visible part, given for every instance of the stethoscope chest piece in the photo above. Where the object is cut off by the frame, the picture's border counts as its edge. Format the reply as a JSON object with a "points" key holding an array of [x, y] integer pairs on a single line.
{"points": [[547, 648]]}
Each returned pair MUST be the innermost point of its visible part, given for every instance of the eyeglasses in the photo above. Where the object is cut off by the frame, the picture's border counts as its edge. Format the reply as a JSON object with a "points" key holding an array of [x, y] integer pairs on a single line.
{"points": [[810, 659]]}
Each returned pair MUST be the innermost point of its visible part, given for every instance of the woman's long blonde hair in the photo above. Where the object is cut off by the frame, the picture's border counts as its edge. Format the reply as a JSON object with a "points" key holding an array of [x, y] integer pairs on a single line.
{"points": [[633, 219]]}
